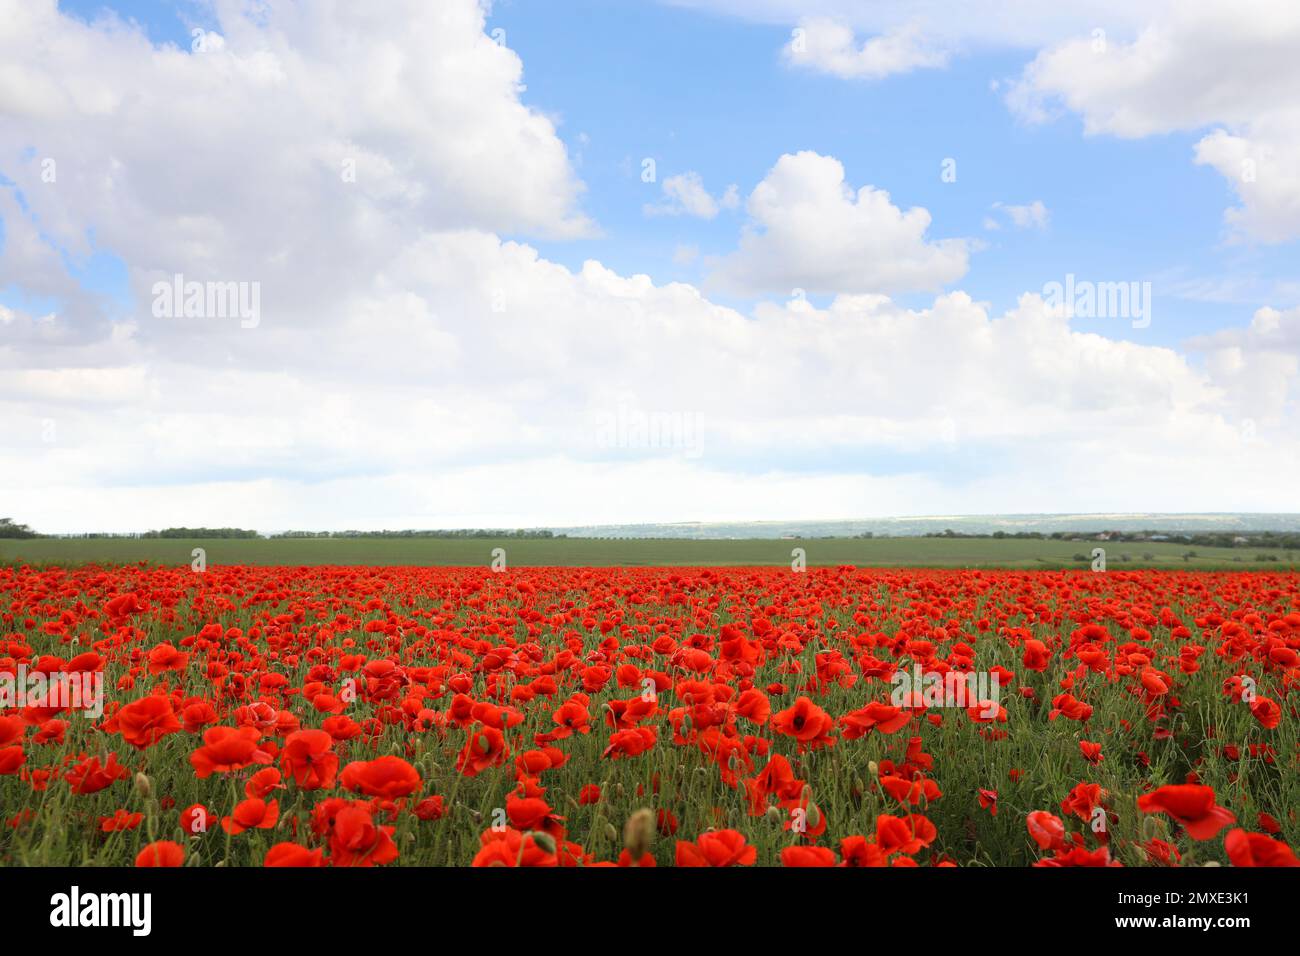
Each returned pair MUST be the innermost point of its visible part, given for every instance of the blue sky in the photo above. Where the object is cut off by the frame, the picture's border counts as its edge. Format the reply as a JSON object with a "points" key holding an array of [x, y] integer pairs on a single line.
{"points": [[912, 403], [628, 80]]}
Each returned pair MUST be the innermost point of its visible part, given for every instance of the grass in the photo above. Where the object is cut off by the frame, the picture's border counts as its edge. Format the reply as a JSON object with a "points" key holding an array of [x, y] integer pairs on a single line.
{"points": [[645, 552]]}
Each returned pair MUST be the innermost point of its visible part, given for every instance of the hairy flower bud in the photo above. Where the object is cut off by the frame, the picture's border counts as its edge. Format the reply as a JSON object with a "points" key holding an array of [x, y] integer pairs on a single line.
{"points": [[638, 832]]}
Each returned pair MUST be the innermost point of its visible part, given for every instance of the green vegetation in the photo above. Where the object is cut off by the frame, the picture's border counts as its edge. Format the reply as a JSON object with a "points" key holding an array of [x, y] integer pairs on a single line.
{"points": [[1286, 540], [597, 552], [9, 529], [409, 533]]}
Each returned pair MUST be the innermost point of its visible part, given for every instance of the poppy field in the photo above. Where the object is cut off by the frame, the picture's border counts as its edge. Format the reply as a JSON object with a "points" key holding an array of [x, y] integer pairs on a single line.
{"points": [[417, 716]]}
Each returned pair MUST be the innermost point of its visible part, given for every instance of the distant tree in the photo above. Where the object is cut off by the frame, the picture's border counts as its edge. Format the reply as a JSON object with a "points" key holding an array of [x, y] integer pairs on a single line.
{"points": [[201, 533], [10, 529]]}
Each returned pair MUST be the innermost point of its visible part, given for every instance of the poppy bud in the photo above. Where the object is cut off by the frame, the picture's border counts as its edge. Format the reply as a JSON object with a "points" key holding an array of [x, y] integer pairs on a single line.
{"points": [[610, 831], [1154, 828], [638, 832], [774, 815], [542, 840], [858, 788], [873, 768], [143, 786]]}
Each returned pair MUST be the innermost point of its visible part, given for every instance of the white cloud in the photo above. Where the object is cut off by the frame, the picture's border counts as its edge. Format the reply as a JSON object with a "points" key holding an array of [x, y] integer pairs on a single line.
{"points": [[1032, 215], [1263, 169], [684, 194], [1224, 67], [809, 229], [991, 24], [793, 411], [685, 254], [277, 122], [828, 46], [1194, 66], [1259, 366], [414, 368]]}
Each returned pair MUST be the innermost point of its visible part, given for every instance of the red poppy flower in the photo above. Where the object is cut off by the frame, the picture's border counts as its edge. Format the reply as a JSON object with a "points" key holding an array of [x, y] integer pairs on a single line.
{"points": [[858, 851], [388, 777], [807, 856], [1037, 657], [806, 723], [430, 808], [716, 848], [509, 847], [263, 783], [1091, 751], [120, 820], [11, 759], [1047, 829], [226, 749], [90, 776], [904, 834], [1191, 805], [142, 723], [875, 716], [194, 819], [1256, 849], [1267, 712], [484, 748], [293, 855], [165, 658], [250, 814], [161, 853], [355, 839], [308, 756]]}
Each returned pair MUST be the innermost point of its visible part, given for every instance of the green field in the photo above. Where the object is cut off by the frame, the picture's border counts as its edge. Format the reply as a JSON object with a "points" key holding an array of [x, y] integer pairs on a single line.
{"points": [[597, 552]]}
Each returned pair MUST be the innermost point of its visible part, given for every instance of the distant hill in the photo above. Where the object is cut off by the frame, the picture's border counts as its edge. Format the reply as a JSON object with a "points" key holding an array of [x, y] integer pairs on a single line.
{"points": [[937, 524]]}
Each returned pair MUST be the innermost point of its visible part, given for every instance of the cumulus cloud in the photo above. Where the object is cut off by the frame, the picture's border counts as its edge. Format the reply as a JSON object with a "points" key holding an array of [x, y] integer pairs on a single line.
{"points": [[1224, 68], [684, 194], [420, 364], [1032, 215], [300, 138], [1259, 366], [809, 229], [1230, 66], [791, 410], [992, 24], [828, 46], [1263, 169]]}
